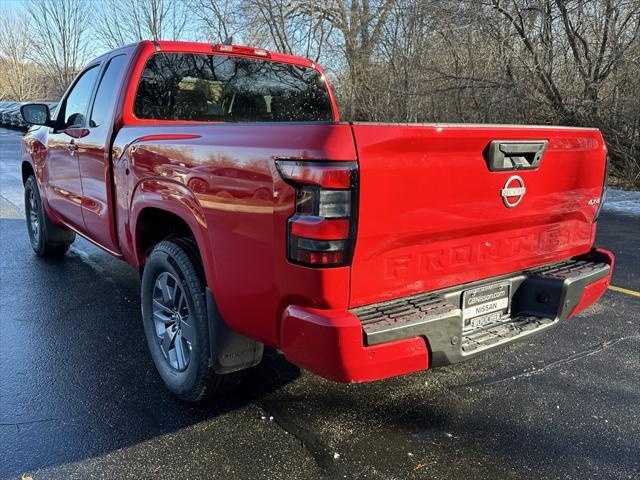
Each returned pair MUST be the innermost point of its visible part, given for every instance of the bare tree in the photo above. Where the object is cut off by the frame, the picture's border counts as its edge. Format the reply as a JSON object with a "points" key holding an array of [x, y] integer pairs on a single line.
{"points": [[19, 80], [299, 27], [570, 52], [125, 21], [60, 45], [589, 37], [361, 24], [219, 18], [571, 62]]}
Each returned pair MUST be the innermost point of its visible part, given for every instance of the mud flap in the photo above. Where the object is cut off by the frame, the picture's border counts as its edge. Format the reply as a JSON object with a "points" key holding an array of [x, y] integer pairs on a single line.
{"points": [[56, 234], [230, 351]]}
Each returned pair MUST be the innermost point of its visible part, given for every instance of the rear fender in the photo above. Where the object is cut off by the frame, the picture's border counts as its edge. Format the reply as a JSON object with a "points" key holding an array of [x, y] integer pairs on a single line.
{"points": [[175, 198], [230, 351]]}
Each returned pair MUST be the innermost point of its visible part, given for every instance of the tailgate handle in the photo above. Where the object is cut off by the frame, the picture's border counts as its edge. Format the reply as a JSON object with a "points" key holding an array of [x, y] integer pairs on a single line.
{"points": [[504, 155]]}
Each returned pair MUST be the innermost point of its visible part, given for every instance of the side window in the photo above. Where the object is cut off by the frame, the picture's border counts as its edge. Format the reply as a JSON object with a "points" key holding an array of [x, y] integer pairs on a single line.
{"points": [[107, 90], [75, 106]]}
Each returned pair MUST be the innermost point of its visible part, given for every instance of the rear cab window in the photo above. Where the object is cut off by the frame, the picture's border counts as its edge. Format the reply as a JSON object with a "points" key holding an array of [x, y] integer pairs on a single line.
{"points": [[217, 88]]}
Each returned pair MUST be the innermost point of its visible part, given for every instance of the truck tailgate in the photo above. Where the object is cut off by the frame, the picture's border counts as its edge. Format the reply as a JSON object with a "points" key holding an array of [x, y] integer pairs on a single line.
{"points": [[432, 214]]}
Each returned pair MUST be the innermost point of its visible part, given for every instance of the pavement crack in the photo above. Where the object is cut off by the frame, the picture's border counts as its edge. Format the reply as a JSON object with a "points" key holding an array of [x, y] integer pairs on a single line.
{"points": [[318, 450], [24, 423], [27, 422], [528, 372]]}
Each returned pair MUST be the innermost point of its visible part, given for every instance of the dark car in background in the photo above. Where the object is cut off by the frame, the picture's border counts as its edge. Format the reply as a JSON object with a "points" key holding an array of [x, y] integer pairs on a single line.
{"points": [[15, 119], [6, 107], [8, 112]]}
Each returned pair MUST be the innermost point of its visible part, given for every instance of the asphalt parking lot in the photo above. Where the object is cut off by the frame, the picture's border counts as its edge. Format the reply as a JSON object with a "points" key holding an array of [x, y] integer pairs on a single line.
{"points": [[80, 398]]}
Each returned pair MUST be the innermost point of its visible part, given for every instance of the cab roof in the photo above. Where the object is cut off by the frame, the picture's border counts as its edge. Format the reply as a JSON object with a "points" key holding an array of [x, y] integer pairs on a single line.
{"points": [[213, 48]]}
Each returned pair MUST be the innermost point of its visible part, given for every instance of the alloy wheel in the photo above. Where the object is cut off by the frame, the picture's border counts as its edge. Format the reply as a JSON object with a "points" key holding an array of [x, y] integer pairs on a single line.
{"points": [[34, 221], [172, 321]]}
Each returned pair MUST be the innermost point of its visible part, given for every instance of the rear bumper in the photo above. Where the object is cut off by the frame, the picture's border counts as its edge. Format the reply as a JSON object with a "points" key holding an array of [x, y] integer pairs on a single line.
{"points": [[422, 331]]}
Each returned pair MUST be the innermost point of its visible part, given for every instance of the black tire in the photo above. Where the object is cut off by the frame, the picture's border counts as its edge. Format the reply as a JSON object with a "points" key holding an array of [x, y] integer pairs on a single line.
{"points": [[47, 239], [187, 371]]}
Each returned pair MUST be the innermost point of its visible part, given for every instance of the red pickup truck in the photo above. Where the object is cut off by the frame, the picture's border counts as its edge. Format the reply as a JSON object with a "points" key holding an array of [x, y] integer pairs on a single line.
{"points": [[256, 217]]}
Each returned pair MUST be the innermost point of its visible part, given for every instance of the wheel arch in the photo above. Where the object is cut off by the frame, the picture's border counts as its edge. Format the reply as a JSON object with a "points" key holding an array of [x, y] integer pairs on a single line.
{"points": [[27, 171], [163, 209]]}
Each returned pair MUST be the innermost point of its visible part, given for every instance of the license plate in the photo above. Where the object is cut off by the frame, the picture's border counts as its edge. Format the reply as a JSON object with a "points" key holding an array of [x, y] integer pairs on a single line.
{"points": [[484, 305]]}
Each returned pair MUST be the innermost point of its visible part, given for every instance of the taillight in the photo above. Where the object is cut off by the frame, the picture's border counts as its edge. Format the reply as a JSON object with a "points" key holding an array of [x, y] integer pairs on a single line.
{"points": [[321, 232]]}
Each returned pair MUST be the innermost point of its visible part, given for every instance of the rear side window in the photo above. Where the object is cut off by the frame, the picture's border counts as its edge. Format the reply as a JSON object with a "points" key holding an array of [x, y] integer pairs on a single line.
{"points": [[105, 96], [185, 86]]}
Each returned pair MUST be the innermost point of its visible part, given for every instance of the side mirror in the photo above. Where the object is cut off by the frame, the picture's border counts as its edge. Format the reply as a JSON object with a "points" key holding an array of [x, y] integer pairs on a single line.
{"points": [[36, 114]]}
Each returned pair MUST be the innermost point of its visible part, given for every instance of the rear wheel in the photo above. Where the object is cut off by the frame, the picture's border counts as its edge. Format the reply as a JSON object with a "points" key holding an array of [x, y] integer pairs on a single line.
{"points": [[175, 320], [47, 239]]}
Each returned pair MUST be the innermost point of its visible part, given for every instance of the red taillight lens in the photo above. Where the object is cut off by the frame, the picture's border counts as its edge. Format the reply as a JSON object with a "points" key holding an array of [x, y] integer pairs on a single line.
{"points": [[321, 232], [324, 175], [319, 259], [309, 226]]}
